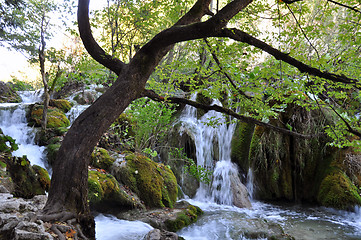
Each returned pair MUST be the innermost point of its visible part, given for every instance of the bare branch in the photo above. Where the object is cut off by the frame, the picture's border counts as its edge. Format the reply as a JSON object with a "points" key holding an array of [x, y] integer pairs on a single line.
{"points": [[89, 42], [345, 6], [154, 96], [241, 36]]}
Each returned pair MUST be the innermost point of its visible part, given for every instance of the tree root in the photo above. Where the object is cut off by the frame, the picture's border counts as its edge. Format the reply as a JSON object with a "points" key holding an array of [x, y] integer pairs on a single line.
{"points": [[71, 227]]}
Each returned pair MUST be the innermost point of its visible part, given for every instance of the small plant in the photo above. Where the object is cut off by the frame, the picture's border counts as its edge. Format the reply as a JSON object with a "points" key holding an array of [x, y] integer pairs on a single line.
{"points": [[199, 172]]}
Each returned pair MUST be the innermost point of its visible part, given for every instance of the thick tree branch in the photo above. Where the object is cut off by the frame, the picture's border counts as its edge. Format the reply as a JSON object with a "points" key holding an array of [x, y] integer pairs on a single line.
{"points": [[154, 96], [241, 36], [89, 42], [345, 6]]}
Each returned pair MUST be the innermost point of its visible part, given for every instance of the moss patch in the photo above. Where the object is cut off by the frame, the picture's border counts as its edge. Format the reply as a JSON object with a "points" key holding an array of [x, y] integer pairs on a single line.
{"points": [[241, 143], [104, 190], [337, 191], [184, 218], [43, 177], [154, 183], [100, 159], [62, 104], [56, 117], [52, 150]]}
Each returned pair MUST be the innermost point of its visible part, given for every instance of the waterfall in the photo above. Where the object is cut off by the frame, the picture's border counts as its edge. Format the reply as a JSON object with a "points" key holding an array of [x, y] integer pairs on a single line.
{"points": [[250, 183], [13, 123], [213, 148]]}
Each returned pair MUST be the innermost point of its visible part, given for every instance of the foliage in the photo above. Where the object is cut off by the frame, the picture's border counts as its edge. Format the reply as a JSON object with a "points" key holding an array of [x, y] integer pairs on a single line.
{"points": [[153, 121], [199, 172], [7, 143]]}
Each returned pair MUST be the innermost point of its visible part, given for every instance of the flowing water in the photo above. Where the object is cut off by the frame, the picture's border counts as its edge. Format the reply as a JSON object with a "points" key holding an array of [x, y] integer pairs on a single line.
{"points": [[221, 220], [14, 124]]}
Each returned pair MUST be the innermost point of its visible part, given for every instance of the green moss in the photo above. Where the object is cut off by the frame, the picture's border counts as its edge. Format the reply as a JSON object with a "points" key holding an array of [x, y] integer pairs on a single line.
{"points": [[184, 218], [52, 150], [62, 104], [43, 177], [241, 143], [103, 189], [100, 159], [337, 191], [56, 117], [154, 183], [26, 180]]}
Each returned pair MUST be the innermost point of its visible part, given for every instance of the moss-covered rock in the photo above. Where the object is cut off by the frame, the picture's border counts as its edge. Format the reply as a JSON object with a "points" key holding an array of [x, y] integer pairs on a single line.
{"points": [[62, 104], [184, 218], [240, 145], [56, 117], [51, 151], [100, 159], [27, 181], [43, 177], [154, 183], [338, 191], [105, 192], [8, 94]]}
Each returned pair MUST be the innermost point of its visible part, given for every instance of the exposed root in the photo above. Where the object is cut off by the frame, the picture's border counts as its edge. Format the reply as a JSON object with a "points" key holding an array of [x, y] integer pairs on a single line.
{"points": [[66, 224]]}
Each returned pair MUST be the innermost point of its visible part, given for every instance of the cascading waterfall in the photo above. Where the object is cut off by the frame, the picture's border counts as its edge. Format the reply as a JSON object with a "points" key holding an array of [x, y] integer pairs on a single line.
{"points": [[206, 137], [13, 123], [250, 183]]}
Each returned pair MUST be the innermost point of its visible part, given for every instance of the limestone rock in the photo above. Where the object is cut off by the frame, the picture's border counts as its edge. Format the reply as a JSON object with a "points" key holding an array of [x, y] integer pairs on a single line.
{"points": [[240, 193], [157, 234]]}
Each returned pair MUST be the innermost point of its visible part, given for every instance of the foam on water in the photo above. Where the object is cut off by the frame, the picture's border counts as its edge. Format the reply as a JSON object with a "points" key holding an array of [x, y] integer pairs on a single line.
{"points": [[111, 228]]}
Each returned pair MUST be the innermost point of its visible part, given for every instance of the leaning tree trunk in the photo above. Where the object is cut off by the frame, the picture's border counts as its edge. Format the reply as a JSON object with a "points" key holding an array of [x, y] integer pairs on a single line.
{"points": [[69, 184]]}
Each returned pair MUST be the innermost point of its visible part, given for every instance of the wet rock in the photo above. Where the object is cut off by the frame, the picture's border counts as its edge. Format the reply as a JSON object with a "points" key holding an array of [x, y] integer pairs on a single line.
{"points": [[62, 104], [165, 219], [85, 97], [240, 193], [157, 234]]}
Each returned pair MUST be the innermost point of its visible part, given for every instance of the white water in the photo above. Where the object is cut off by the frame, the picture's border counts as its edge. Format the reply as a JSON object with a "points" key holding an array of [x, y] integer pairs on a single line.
{"points": [[111, 228], [205, 137], [14, 124]]}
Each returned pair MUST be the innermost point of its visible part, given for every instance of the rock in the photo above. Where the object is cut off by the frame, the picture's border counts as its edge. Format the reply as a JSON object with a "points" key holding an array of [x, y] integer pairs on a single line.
{"points": [[62, 104], [100, 159], [27, 181], [165, 219], [154, 183], [8, 94], [85, 97], [56, 117], [105, 193], [157, 234], [240, 193], [337, 191]]}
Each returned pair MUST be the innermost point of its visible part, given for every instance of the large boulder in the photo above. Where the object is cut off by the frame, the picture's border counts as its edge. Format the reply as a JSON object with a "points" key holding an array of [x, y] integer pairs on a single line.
{"points": [[105, 193], [28, 180], [240, 193], [56, 117], [154, 183]]}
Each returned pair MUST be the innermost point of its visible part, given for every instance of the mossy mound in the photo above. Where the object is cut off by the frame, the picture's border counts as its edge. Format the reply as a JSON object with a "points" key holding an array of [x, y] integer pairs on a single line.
{"points": [[51, 151], [337, 191], [100, 159], [56, 117], [28, 182], [62, 104], [240, 145], [184, 218], [8, 94], [154, 183], [105, 192], [43, 177]]}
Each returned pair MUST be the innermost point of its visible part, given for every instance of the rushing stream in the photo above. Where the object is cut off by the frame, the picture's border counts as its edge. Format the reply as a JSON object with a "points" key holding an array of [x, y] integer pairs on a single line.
{"points": [[221, 220]]}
